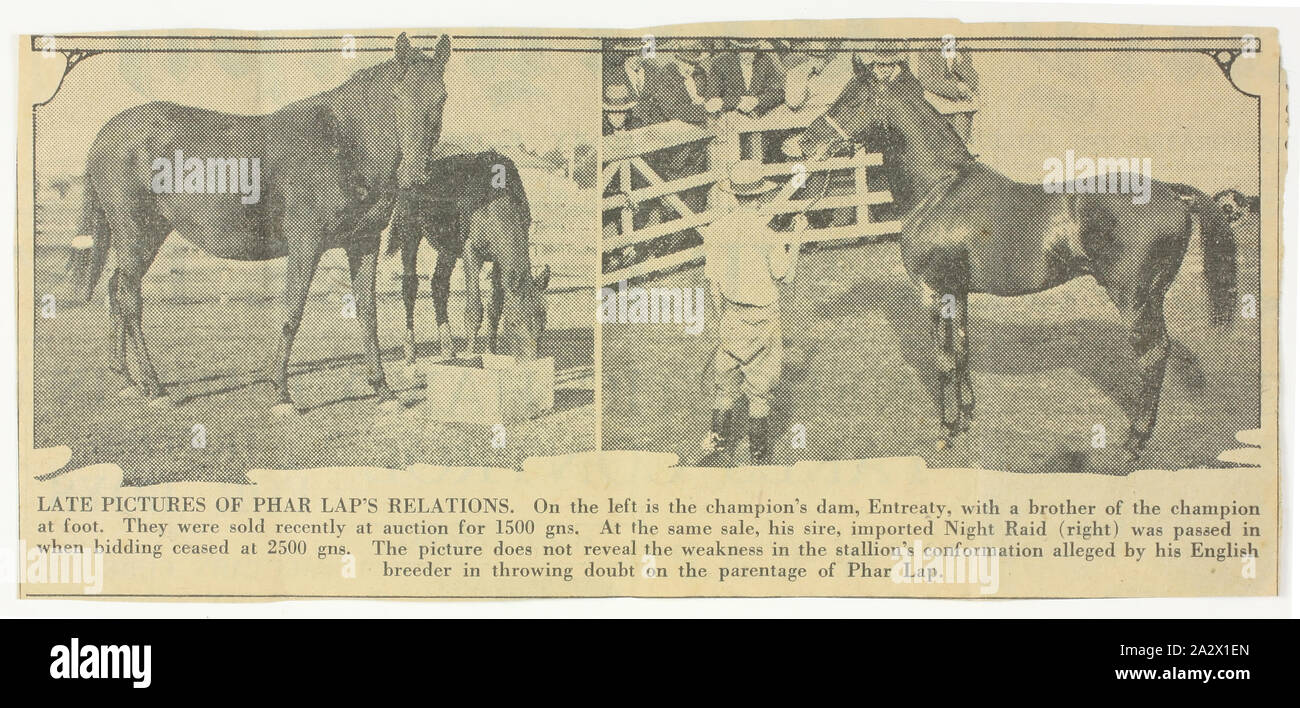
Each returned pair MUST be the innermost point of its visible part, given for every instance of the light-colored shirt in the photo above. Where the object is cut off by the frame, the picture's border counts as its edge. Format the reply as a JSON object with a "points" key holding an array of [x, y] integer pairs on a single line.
{"points": [[743, 255]]}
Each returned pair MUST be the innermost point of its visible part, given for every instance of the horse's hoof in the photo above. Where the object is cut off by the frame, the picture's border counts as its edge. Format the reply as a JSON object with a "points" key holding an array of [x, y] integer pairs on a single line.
{"points": [[392, 405], [285, 410], [942, 444], [162, 401], [717, 458], [1133, 445]]}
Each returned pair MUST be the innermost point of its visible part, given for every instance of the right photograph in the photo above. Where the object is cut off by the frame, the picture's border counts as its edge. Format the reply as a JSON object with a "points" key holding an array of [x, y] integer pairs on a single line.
{"points": [[1019, 254]]}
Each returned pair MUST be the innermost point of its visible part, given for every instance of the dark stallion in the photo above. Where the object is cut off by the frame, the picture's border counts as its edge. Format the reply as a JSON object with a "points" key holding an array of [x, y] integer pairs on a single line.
{"points": [[474, 208], [968, 229], [331, 167]]}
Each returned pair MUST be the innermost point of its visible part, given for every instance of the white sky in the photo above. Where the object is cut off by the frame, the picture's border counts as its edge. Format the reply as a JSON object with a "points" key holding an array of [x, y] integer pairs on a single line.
{"points": [[538, 97], [1177, 109]]}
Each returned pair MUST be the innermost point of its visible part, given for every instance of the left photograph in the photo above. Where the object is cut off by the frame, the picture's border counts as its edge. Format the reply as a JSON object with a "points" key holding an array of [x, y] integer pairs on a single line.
{"points": [[289, 252]]}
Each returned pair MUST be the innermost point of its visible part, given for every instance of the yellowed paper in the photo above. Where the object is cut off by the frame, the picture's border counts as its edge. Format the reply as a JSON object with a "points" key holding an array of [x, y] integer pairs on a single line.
{"points": [[852, 308]]}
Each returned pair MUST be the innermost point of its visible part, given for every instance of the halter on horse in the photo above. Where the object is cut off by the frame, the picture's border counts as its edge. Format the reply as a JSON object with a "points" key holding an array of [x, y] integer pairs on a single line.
{"points": [[332, 166], [968, 229]]}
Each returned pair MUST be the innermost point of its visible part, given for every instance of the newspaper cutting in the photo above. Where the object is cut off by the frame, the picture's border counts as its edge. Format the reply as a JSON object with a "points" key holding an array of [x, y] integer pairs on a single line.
{"points": [[848, 308]]}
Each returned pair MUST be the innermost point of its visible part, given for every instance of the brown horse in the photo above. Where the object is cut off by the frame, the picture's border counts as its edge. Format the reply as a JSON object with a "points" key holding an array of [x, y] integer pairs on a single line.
{"points": [[968, 229], [320, 173], [474, 208]]}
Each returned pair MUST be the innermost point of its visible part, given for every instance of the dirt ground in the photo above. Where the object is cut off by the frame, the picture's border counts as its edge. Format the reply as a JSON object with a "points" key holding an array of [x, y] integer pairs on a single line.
{"points": [[206, 353], [858, 373]]}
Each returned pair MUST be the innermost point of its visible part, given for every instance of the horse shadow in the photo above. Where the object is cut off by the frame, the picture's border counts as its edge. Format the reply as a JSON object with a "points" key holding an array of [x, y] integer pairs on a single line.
{"points": [[570, 347], [1096, 349]]}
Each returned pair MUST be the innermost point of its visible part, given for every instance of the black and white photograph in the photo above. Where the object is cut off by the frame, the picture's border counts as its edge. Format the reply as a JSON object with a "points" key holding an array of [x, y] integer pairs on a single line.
{"points": [[381, 258], [1032, 254]]}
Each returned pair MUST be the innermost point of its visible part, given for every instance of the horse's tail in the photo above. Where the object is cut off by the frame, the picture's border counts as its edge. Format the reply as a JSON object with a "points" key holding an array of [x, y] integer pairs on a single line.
{"points": [[89, 247], [1218, 250]]}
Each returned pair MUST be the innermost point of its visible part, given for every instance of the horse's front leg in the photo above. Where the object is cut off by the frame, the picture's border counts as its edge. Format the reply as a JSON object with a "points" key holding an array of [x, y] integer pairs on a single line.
{"points": [[473, 302], [363, 262], [306, 244], [440, 285]]}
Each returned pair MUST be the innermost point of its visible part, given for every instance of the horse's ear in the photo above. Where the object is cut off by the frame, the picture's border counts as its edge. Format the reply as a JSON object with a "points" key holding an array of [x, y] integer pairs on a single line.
{"points": [[402, 49], [860, 67], [443, 50], [543, 279]]}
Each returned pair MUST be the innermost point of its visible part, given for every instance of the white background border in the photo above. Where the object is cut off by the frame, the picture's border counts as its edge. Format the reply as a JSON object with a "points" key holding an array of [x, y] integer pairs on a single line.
{"points": [[67, 16]]}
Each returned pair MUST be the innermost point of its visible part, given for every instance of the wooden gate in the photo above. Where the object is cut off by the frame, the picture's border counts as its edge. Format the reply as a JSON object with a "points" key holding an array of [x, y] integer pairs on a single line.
{"points": [[627, 180]]}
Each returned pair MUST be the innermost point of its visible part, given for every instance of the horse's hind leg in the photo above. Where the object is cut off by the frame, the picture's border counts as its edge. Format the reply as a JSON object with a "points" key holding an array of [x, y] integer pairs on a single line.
{"points": [[136, 239], [943, 311], [494, 308], [1150, 342], [960, 334], [1141, 303], [117, 330], [473, 300], [305, 248]]}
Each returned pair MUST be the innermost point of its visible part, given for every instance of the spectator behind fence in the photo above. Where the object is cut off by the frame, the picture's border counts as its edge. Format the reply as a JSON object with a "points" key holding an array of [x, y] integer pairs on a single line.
{"points": [[748, 78], [678, 88], [944, 71], [951, 85], [801, 61]]}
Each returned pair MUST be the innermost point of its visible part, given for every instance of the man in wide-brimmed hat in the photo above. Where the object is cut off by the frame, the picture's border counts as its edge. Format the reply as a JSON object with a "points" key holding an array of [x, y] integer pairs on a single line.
{"points": [[679, 88], [744, 257], [945, 72], [951, 83], [802, 60], [618, 106]]}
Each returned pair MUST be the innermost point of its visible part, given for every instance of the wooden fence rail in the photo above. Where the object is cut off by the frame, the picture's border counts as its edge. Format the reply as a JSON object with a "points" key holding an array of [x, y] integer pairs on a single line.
{"points": [[627, 179]]}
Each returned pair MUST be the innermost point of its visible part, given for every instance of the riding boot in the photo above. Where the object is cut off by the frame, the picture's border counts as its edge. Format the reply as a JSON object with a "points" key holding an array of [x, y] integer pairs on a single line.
{"points": [[720, 443], [760, 451]]}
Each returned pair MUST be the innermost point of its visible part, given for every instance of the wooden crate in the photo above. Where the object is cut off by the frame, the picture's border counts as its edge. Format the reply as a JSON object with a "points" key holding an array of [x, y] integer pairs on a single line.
{"points": [[467, 392]]}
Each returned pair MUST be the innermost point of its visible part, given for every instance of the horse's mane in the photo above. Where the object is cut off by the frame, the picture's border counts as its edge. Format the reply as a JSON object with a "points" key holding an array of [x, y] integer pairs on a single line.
{"points": [[930, 134], [913, 92]]}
